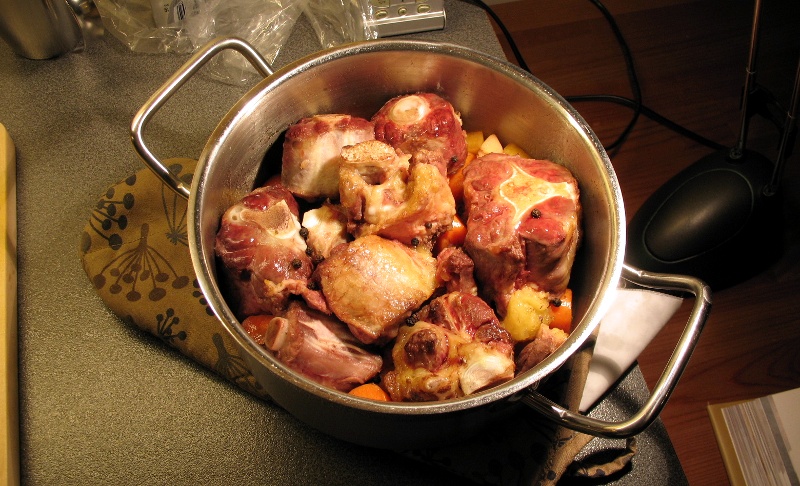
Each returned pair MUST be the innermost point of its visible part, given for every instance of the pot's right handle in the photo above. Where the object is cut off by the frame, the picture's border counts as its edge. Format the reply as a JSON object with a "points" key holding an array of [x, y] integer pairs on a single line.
{"points": [[669, 377], [157, 100]]}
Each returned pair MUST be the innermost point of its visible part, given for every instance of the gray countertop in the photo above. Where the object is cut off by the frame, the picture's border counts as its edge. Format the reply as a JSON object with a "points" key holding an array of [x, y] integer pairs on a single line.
{"points": [[104, 403]]}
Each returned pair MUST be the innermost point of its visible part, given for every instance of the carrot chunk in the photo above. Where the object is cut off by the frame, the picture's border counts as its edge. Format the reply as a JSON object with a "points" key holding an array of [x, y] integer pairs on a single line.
{"points": [[452, 237], [562, 312], [371, 391]]}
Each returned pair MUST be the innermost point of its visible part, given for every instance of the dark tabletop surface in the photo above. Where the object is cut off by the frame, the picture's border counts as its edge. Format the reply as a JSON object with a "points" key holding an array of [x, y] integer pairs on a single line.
{"points": [[104, 403]]}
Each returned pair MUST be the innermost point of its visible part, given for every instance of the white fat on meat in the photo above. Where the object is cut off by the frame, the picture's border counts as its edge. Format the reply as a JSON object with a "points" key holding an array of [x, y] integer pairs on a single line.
{"points": [[327, 228], [311, 153], [524, 192]]}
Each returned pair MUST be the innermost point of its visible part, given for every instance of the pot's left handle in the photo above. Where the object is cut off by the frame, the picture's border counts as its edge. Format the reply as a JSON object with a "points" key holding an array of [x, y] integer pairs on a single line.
{"points": [[669, 377], [157, 100]]}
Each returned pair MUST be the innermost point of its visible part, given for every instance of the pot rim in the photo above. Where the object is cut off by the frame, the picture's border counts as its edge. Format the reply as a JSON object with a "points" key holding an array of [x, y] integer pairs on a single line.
{"points": [[513, 389]]}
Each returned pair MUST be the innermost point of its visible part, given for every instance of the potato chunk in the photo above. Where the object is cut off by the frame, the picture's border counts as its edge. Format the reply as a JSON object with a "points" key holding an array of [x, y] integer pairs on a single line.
{"points": [[528, 309]]}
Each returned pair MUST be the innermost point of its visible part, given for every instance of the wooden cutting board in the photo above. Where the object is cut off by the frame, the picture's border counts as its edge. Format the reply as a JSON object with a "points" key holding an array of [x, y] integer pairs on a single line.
{"points": [[9, 398]]}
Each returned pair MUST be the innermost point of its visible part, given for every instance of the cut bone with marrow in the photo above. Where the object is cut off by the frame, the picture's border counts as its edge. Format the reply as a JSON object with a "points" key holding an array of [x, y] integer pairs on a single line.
{"points": [[425, 126], [382, 195]]}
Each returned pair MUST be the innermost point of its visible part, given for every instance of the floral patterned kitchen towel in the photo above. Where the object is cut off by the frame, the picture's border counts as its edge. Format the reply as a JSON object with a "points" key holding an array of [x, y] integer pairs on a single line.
{"points": [[135, 252]]}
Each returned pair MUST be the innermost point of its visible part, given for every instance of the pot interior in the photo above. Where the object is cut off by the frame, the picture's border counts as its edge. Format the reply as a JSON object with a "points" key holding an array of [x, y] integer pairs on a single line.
{"points": [[491, 95]]}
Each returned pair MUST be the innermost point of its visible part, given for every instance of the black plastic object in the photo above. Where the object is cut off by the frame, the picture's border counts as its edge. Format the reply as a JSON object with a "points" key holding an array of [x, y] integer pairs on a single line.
{"points": [[712, 221]]}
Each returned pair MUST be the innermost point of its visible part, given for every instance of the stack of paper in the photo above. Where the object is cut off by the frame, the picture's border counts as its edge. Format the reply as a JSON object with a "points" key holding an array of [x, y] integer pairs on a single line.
{"points": [[760, 439]]}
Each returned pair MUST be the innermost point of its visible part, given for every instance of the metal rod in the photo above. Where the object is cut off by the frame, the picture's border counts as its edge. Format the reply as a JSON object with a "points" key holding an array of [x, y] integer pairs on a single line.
{"points": [[738, 150], [788, 125]]}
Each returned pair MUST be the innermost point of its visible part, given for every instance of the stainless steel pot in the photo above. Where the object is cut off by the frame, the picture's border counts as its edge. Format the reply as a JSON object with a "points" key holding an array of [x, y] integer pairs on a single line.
{"points": [[493, 96], [40, 29]]}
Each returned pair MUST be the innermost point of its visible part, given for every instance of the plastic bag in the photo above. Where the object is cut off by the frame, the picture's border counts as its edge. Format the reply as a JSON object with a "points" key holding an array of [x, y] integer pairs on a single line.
{"points": [[183, 26], [340, 21]]}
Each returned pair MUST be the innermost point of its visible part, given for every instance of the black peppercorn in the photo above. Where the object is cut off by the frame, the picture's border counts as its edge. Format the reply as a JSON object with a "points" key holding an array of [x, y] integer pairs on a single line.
{"points": [[536, 214]]}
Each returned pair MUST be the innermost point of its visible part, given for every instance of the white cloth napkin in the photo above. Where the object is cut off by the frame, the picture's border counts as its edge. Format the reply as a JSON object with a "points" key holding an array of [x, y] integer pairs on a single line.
{"points": [[633, 320]]}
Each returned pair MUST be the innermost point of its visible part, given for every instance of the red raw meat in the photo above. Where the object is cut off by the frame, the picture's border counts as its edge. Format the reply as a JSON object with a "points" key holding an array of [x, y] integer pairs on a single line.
{"points": [[523, 219], [263, 255], [311, 153], [425, 126], [321, 348], [456, 347]]}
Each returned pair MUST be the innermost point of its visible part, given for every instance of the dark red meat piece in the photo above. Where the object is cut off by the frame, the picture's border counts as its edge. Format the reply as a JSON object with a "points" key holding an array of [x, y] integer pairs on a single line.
{"points": [[321, 348], [523, 219], [311, 153], [262, 253], [455, 271], [456, 347], [426, 126]]}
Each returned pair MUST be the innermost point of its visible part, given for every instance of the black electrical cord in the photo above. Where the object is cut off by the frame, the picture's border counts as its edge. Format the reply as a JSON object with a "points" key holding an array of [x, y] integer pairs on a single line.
{"points": [[632, 76], [660, 119], [635, 104], [513, 45]]}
